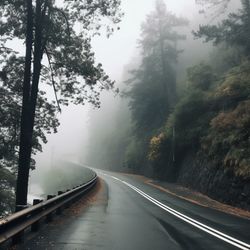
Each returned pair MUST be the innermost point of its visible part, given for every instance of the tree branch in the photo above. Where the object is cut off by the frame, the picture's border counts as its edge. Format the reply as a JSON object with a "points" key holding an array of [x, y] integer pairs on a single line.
{"points": [[66, 19], [52, 79]]}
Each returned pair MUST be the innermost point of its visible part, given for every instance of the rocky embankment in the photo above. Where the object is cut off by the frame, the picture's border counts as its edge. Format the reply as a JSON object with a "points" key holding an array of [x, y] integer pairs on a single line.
{"points": [[215, 181]]}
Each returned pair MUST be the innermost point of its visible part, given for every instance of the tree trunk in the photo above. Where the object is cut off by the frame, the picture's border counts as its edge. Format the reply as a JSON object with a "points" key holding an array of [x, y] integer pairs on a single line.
{"points": [[30, 93], [37, 63], [25, 136], [38, 52]]}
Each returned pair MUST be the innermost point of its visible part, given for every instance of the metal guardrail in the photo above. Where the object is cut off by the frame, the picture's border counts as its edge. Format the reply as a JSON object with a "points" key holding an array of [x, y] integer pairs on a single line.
{"points": [[13, 226]]}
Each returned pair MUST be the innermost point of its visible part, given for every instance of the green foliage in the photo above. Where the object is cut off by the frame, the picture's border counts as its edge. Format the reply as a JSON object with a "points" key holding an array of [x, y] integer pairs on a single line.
{"points": [[214, 123], [200, 76], [211, 118], [213, 3], [135, 153], [191, 118], [158, 42], [204, 119], [184, 129], [228, 139], [234, 30], [234, 88], [224, 58], [152, 87], [10, 103], [7, 182], [72, 68], [148, 103], [10, 109], [161, 155]]}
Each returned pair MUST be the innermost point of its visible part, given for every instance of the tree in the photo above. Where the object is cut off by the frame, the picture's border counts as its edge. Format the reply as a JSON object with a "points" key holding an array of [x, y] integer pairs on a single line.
{"points": [[152, 87], [7, 183], [159, 45], [49, 30], [235, 30], [200, 76], [220, 5], [155, 79], [10, 103]]}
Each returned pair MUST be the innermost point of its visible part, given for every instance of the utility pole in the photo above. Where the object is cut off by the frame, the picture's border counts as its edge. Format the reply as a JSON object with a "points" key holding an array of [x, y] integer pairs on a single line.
{"points": [[174, 143]]}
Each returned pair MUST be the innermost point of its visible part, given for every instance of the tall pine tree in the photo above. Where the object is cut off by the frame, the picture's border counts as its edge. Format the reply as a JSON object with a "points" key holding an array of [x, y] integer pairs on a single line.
{"points": [[152, 87]]}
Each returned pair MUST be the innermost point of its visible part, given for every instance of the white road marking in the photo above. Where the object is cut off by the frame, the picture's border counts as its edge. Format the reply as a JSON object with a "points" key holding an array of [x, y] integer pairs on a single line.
{"points": [[218, 234]]}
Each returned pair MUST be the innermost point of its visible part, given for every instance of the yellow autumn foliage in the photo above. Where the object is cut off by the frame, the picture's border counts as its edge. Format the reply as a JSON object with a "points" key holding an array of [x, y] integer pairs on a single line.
{"points": [[155, 144]]}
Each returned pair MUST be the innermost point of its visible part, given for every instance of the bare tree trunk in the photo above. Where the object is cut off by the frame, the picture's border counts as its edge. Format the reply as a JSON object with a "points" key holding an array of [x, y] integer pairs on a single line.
{"points": [[25, 136]]}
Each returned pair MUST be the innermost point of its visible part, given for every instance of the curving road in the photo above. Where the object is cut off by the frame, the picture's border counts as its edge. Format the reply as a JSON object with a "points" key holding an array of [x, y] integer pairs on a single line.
{"points": [[128, 214]]}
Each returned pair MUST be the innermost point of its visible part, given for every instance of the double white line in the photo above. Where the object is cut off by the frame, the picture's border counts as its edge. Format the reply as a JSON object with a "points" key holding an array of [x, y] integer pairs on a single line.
{"points": [[231, 240]]}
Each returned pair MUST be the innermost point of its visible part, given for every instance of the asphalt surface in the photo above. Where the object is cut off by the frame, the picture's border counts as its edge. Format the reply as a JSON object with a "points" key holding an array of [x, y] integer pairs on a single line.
{"points": [[127, 214]]}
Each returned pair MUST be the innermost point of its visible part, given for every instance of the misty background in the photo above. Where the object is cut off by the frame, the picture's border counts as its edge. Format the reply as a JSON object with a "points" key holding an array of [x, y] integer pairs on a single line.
{"points": [[84, 131]]}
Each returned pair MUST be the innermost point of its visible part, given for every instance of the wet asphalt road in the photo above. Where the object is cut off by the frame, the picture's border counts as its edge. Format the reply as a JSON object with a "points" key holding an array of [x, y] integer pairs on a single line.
{"points": [[128, 214]]}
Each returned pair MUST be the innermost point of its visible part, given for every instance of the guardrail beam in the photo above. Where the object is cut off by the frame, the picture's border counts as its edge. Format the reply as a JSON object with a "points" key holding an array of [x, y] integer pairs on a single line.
{"points": [[13, 227]]}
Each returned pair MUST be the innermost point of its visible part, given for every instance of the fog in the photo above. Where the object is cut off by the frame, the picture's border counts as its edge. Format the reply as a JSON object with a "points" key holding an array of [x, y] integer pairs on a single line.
{"points": [[84, 129]]}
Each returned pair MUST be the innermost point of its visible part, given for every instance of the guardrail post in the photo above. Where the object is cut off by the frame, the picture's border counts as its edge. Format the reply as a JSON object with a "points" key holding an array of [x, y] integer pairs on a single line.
{"points": [[19, 237], [36, 225], [59, 210], [49, 216], [67, 205]]}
